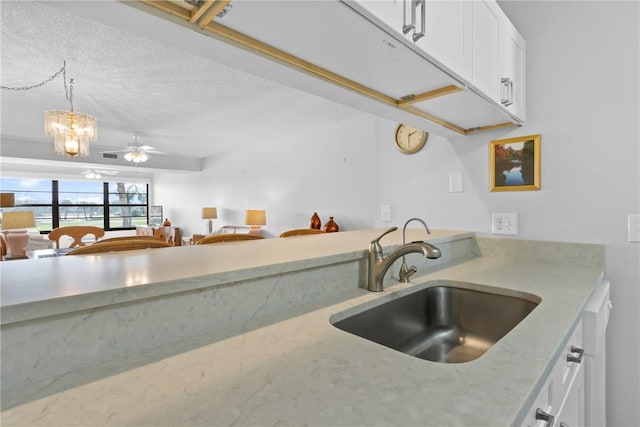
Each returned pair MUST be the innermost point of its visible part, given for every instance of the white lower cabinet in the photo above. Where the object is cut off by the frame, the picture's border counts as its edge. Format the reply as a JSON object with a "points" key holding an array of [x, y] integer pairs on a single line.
{"points": [[561, 401]]}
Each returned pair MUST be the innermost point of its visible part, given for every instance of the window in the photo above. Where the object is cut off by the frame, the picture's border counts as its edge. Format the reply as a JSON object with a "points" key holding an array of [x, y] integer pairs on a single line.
{"points": [[110, 205]]}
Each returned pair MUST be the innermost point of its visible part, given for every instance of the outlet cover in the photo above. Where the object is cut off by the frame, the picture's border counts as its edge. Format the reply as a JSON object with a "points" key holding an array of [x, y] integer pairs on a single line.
{"points": [[504, 223]]}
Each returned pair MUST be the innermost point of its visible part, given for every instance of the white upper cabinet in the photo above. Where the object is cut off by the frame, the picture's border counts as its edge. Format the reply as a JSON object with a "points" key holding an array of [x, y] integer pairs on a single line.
{"points": [[448, 37], [438, 61], [486, 23], [498, 58], [441, 29], [512, 52]]}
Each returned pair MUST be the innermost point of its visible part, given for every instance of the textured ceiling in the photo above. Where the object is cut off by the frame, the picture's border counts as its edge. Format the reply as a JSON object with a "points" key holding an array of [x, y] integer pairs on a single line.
{"points": [[176, 101]]}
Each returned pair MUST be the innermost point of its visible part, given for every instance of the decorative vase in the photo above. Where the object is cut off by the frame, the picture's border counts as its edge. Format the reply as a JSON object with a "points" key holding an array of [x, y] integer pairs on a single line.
{"points": [[331, 226], [166, 222], [314, 222]]}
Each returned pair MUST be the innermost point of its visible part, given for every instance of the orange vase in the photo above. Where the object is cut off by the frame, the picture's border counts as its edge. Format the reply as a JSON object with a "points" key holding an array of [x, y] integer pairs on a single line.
{"points": [[331, 226], [314, 222]]}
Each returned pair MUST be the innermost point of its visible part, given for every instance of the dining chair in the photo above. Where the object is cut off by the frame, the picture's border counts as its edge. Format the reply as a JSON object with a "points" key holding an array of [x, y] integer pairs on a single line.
{"points": [[76, 232], [120, 245], [301, 232], [125, 238], [223, 238], [166, 233], [3, 248]]}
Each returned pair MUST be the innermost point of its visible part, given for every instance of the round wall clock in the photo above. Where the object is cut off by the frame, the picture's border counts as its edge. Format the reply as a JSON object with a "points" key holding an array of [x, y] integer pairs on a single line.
{"points": [[410, 140]]}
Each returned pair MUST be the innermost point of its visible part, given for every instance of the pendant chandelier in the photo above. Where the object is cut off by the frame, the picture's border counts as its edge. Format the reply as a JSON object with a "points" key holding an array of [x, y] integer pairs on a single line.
{"points": [[71, 131]]}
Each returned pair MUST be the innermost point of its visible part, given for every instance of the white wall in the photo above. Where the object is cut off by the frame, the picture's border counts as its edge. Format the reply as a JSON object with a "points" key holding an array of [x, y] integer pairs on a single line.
{"points": [[583, 91], [582, 87], [324, 170]]}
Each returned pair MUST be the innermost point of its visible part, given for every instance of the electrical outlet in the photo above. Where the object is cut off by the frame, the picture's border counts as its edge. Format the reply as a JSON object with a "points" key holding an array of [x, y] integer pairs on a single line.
{"points": [[385, 213], [504, 223]]}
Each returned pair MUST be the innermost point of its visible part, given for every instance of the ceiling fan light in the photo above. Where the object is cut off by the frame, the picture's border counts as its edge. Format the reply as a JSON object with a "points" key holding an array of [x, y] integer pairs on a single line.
{"points": [[92, 175], [136, 157]]}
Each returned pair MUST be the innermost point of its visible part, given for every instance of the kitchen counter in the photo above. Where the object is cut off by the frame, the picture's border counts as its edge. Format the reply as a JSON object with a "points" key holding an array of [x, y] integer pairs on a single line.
{"points": [[294, 368]]}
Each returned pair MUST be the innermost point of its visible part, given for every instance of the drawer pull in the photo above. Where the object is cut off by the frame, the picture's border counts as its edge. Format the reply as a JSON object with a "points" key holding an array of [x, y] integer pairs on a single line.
{"points": [[571, 357], [544, 416]]}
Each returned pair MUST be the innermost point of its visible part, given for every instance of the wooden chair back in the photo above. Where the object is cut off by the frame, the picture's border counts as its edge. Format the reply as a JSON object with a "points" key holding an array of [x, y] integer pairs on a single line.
{"points": [[125, 238], [76, 232], [120, 245], [222, 238], [301, 232], [3, 248], [166, 233]]}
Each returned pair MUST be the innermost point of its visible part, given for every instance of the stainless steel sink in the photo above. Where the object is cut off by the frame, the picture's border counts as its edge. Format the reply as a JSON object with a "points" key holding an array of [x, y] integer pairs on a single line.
{"points": [[449, 322]]}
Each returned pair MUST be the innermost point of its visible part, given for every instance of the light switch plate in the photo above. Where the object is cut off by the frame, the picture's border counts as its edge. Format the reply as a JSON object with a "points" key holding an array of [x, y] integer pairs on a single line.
{"points": [[385, 213], [633, 225], [504, 223], [456, 182]]}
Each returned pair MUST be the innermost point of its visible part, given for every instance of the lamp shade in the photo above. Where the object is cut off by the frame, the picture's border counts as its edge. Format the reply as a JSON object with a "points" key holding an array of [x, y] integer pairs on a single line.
{"points": [[7, 200], [256, 217], [209, 213], [18, 220]]}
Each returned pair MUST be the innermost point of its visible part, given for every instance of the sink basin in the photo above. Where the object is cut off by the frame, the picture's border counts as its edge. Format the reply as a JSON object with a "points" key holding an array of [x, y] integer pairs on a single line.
{"points": [[447, 322]]}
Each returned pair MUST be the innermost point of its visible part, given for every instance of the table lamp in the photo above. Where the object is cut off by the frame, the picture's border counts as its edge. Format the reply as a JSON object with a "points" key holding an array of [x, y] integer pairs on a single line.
{"points": [[13, 225], [209, 214], [255, 219]]}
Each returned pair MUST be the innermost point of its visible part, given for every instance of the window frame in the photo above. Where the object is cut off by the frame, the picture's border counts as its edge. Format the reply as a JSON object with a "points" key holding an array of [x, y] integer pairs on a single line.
{"points": [[105, 205]]}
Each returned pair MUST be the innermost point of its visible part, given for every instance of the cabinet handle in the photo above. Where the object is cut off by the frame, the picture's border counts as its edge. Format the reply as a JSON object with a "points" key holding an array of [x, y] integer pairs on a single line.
{"points": [[423, 19], [544, 416], [563, 424], [506, 91], [408, 27], [572, 357], [510, 92]]}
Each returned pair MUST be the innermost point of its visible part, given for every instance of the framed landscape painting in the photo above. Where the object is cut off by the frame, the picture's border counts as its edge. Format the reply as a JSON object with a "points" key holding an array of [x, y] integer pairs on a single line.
{"points": [[515, 163]]}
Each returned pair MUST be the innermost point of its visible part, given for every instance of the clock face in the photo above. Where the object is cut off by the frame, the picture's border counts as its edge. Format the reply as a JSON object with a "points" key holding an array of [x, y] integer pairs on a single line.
{"points": [[410, 140]]}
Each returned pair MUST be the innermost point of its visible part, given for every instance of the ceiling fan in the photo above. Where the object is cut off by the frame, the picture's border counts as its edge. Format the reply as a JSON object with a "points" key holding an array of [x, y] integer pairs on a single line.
{"points": [[135, 152], [97, 173]]}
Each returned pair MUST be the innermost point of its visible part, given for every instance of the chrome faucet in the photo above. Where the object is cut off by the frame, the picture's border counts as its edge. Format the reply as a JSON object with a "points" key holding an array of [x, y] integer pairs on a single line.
{"points": [[405, 271], [379, 265]]}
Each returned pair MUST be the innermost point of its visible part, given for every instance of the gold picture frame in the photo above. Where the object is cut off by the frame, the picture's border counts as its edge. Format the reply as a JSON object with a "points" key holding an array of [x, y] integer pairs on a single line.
{"points": [[515, 163]]}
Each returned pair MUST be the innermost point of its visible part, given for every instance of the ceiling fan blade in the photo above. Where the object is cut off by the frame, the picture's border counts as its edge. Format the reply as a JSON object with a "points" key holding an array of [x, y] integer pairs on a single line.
{"points": [[116, 151], [107, 172]]}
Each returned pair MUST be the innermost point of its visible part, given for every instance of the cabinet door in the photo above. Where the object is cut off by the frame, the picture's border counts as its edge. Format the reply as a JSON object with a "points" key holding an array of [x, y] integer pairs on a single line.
{"points": [[448, 37], [446, 26], [486, 23], [512, 52], [395, 14], [572, 412]]}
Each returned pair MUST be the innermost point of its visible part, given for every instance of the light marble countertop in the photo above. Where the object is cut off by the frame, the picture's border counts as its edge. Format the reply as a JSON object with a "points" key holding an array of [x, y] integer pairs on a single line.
{"points": [[49, 286], [295, 368]]}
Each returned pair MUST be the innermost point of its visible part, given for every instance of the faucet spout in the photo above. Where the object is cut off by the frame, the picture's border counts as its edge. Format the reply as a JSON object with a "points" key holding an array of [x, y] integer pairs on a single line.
{"points": [[378, 265]]}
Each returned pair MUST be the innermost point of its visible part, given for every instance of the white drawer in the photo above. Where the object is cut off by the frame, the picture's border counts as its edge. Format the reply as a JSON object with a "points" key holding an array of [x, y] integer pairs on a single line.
{"points": [[565, 370]]}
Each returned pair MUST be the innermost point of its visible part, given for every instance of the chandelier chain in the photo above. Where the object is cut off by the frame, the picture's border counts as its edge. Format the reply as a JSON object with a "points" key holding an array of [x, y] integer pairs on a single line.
{"points": [[68, 91], [60, 71]]}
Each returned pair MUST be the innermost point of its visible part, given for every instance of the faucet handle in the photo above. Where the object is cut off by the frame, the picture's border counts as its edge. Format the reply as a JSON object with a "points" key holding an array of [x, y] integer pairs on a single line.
{"points": [[406, 272], [377, 240]]}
